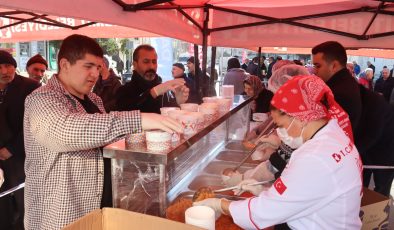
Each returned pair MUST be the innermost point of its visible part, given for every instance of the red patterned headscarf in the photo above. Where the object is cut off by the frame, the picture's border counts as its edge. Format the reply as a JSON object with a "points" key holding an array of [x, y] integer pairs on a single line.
{"points": [[301, 97], [255, 83]]}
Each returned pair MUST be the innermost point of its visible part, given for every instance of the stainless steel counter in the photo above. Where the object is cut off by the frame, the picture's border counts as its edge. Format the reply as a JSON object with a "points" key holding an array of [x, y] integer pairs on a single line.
{"points": [[144, 181]]}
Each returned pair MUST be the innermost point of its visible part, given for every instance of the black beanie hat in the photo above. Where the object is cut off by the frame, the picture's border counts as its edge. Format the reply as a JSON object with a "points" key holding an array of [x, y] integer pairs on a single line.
{"points": [[6, 58], [179, 65], [37, 59], [191, 59]]}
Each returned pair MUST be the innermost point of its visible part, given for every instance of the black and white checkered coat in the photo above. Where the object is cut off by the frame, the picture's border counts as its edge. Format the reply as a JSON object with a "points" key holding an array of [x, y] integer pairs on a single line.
{"points": [[64, 165]]}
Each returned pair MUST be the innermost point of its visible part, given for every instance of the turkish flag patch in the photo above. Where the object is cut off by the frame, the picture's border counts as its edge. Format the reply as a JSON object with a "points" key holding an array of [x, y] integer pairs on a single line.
{"points": [[280, 186]]}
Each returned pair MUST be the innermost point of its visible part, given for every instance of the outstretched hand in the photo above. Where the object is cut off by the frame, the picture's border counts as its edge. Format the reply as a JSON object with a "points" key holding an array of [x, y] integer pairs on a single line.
{"points": [[157, 121]]}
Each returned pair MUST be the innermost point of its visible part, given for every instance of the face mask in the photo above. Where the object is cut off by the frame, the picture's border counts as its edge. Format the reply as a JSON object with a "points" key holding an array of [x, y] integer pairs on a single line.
{"points": [[292, 142]]}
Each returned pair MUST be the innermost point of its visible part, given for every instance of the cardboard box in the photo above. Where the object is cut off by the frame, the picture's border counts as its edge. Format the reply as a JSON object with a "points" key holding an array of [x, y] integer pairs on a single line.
{"points": [[119, 219], [375, 210]]}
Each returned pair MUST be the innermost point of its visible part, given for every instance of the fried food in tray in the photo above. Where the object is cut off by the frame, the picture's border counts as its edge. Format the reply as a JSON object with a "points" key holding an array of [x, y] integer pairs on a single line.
{"points": [[176, 211], [203, 193]]}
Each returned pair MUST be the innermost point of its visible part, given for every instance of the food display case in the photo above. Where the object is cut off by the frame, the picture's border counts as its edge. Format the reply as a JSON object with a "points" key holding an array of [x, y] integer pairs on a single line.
{"points": [[146, 182]]}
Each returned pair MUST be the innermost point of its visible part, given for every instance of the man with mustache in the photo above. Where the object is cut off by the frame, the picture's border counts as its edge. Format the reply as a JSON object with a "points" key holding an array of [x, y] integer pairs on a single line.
{"points": [[36, 67], [145, 91], [13, 91]]}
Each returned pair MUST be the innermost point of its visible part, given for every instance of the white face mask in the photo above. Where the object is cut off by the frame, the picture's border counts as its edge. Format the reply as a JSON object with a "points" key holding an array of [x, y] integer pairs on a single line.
{"points": [[292, 142]]}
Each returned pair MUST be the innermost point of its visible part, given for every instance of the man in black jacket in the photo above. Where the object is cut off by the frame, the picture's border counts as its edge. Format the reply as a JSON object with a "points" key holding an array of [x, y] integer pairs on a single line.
{"points": [[371, 117], [106, 86], [145, 91], [13, 91], [385, 84]]}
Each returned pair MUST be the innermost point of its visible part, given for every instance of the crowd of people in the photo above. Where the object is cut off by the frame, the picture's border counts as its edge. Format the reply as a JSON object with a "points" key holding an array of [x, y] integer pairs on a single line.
{"points": [[53, 130]]}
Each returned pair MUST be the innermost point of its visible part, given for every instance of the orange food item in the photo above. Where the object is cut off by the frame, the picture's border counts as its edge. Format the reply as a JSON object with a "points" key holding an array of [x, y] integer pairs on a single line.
{"points": [[203, 193], [176, 211], [248, 145]]}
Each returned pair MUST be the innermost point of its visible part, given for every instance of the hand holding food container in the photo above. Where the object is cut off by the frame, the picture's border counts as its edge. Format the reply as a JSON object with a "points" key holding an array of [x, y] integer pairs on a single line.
{"points": [[200, 216], [156, 121], [214, 203]]}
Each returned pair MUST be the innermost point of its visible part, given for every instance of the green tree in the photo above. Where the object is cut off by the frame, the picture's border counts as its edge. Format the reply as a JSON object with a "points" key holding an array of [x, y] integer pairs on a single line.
{"points": [[109, 46]]}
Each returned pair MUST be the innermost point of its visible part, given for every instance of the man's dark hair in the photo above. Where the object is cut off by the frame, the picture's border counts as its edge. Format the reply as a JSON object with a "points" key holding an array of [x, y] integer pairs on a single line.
{"points": [[233, 63], [141, 47], [76, 46], [332, 51]]}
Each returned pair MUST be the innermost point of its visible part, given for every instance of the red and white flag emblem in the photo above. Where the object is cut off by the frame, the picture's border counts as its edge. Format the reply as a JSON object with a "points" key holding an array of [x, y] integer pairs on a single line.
{"points": [[280, 186]]}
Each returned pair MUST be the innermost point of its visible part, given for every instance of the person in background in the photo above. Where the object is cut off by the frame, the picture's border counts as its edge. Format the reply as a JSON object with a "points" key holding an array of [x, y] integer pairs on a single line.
{"points": [[244, 65], [206, 88], [36, 67], [253, 67], [329, 60], [145, 91], [66, 127], [106, 86], [235, 75], [370, 65], [271, 61], [366, 78], [318, 187], [385, 84], [13, 91], [357, 68], [262, 97], [178, 72], [372, 118]]}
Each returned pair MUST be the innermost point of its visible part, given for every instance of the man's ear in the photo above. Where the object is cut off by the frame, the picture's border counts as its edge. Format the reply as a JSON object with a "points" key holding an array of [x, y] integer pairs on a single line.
{"points": [[64, 64], [336, 65]]}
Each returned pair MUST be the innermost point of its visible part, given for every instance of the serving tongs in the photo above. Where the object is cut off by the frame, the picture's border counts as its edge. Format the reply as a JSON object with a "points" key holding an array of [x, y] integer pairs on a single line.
{"points": [[255, 146], [237, 186]]}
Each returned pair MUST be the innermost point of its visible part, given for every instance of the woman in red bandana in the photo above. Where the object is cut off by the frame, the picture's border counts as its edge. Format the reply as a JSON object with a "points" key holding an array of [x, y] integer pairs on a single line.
{"points": [[321, 185]]}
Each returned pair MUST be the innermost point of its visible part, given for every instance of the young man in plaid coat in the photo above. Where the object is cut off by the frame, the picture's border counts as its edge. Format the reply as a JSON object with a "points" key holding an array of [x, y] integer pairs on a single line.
{"points": [[65, 125]]}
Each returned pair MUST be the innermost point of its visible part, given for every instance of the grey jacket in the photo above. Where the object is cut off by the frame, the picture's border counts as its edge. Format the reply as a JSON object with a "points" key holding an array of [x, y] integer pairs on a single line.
{"points": [[235, 77]]}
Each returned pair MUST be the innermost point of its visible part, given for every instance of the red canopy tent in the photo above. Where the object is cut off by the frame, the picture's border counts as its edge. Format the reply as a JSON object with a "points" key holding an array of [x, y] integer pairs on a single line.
{"points": [[236, 23], [21, 26]]}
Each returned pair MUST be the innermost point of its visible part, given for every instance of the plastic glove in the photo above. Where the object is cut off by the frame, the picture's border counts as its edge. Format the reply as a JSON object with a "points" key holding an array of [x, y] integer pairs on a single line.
{"points": [[251, 135], [181, 94], [244, 187], [1, 177], [273, 139], [167, 86], [214, 203], [157, 121], [269, 145], [261, 172], [232, 178]]}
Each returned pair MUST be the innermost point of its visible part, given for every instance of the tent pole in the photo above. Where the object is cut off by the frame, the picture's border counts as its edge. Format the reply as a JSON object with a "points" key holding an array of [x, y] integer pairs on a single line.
{"points": [[213, 70], [205, 51], [197, 69], [259, 65]]}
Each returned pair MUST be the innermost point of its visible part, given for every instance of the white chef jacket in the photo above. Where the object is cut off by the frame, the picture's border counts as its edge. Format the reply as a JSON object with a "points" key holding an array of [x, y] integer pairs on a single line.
{"points": [[320, 188]]}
